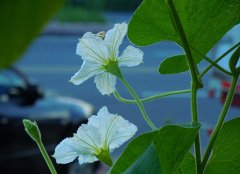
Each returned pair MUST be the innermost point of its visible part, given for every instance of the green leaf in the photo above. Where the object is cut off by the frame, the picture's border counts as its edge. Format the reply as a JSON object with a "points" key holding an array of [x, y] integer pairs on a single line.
{"points": [[188, 166], [21, 21], [147, 163], [205, 22], [159, 152], [171, 65], [135, 149], [226, 151], [172, 145]]}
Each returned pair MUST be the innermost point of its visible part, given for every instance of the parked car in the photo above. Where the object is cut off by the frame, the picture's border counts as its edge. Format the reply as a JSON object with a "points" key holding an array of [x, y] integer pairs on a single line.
{"points": [[57, 116]]}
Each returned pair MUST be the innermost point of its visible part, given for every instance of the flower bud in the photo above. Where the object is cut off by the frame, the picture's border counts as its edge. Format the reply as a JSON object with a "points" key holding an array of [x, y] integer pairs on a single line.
{"points": [[32, 129]]}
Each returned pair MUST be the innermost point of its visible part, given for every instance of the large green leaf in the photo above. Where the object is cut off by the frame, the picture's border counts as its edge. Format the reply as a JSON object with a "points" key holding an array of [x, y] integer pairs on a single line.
{"points": [[204, 22], [159, 152], [21, 21], [147, 163], [133, 152], [226, 151], [188, 165], [172, 145]]}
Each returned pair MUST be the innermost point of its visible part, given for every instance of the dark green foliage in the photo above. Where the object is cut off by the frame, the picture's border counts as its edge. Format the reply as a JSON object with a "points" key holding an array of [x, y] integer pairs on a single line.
{"points": [[21, 22]]}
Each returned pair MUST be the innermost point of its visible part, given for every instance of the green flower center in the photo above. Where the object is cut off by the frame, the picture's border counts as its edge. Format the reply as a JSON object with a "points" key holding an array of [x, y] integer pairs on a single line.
{"points": [[105, 157], [113, 68]]}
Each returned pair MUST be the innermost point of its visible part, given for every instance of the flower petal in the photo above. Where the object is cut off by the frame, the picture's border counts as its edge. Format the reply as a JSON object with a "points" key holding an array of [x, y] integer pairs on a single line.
{"points": [[89, 139], [114, 129], [114, 38], [122, 131], [66, 151], [105, 83], [102, 121], [92, 49], [131, 57], [87, 70], [82, 159]]}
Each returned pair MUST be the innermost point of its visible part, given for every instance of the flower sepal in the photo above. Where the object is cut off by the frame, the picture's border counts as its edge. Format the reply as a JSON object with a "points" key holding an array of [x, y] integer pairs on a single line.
{"points": [[105, 157], [113, 68]]}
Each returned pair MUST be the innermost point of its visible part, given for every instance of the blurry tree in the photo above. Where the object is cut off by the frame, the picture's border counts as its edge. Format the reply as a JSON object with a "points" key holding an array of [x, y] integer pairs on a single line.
{"points": [[111, 5], [97, 5], [21, 22], [122, 5]]}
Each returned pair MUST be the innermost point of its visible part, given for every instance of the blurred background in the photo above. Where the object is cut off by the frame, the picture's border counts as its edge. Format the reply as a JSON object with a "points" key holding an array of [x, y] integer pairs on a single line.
{"points": [[36, 86]]}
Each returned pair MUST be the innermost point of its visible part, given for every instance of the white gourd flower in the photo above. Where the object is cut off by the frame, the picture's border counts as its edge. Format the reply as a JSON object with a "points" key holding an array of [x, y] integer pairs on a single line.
{"points": [[95, 140], [100, 54]]}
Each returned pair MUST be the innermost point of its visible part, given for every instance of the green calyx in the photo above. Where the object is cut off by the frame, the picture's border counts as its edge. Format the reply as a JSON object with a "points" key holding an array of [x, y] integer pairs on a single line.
{"points": [[32, 129], [105, 157], [113, 68]]}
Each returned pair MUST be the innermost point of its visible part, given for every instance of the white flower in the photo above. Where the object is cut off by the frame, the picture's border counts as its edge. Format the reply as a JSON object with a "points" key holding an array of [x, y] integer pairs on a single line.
{"points": [[94, 140], [101, 58]]}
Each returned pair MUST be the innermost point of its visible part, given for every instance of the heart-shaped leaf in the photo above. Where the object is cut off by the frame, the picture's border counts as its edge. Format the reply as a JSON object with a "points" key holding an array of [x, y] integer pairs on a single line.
{"points": [[135, 149], [172, 145], [188, 165], [147, 163], [154, 151], [226, 151], [205, 22]]}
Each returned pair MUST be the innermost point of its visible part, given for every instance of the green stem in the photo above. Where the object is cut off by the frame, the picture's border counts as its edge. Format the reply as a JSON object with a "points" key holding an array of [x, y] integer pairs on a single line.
{"points": [[219, 123], [179, 28], [46, 157], [196, 81], [139, 103], [211, 62], [218, 59], [194, 111], [148, 99]]}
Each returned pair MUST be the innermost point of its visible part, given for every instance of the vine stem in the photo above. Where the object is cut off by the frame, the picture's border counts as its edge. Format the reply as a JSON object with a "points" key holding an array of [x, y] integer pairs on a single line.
{"points": [[194, 111], [219, 58], [211, 62], [179, 28], [196, 81], [139, 103], [151, 98], [219, 123], [46, 157]]}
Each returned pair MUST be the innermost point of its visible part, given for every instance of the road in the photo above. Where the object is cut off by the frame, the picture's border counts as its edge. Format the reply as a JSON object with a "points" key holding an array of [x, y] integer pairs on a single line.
{"points": [[51, 61]]}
